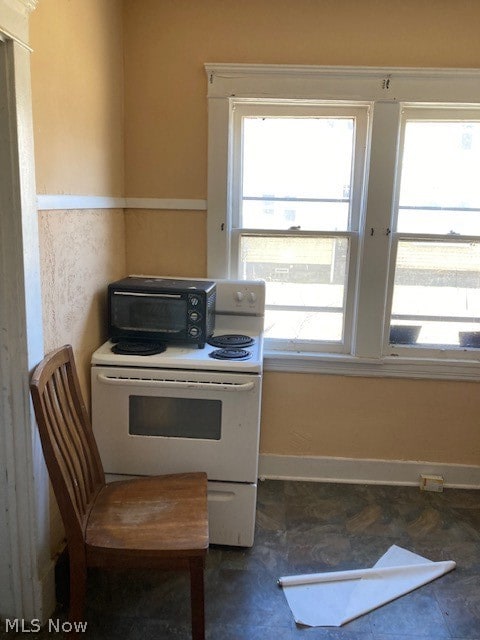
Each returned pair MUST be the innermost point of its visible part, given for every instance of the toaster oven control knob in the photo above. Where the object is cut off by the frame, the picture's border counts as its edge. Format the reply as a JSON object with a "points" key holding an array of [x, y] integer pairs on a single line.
{"points": [[194, 301], [252, 298], [193, 332], [238, 296], [194, 316]]}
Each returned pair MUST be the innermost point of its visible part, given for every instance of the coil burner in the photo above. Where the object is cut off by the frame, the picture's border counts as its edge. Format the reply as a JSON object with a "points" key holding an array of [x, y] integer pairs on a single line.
{"points": [[139, 348], [231, 340], [230, 354]]}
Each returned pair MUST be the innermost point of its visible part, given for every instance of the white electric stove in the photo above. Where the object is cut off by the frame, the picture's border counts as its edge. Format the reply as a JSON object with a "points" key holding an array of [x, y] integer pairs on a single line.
{"points": [[184, 410]]}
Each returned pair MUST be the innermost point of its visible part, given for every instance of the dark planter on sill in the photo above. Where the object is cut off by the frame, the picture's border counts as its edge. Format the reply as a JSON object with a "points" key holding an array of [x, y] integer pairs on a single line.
{"points": [[469, 339], [404, 333]]}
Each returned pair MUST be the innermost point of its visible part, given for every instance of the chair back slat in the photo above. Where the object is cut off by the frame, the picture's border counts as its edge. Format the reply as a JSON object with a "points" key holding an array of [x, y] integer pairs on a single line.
{"points": [[61, 443], [68, 444], [75, 450], [87, 448]]}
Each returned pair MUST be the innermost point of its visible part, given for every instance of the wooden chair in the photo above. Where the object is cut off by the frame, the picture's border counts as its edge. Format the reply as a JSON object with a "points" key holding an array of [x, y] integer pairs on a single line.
{"points": [[152, 522]]}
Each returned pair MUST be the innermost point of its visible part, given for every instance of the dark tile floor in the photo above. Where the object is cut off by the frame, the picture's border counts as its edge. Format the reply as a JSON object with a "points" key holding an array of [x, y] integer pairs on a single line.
{"points": [[308, 527]]}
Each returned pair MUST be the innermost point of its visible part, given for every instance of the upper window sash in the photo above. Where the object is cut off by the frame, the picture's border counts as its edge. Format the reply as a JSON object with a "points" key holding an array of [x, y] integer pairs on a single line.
{"points": [[441, 113], [241, 109]]}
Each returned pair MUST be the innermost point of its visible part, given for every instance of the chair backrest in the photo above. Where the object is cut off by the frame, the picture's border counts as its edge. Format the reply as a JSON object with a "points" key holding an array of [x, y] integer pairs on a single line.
{"points": [[68, 444]]}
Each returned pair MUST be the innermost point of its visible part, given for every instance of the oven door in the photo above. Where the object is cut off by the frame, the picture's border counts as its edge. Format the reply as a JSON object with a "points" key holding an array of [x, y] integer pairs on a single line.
{"points": [[150, 421]]}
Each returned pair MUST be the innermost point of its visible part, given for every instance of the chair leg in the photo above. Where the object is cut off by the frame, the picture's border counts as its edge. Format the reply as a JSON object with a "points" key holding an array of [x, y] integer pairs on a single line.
{"points": [[197, 566], [78, 587]]}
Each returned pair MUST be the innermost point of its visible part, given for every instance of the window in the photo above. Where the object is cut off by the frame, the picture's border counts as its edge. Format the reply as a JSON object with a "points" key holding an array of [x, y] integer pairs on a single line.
{"points": [[297, 183], [436, 247], [353, 194]]}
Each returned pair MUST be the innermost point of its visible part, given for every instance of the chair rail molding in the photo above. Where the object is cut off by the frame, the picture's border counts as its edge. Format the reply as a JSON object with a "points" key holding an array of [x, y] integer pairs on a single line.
{"points": [[68, 202]]}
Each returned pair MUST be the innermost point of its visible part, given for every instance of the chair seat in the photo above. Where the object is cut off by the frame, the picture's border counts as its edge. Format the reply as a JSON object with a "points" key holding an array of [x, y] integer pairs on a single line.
{"points": [[160, 516]]}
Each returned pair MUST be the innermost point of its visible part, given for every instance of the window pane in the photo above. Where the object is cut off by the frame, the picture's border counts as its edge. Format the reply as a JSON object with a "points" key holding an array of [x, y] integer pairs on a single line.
{"points": [[440, 189], [306, 325], [283, 214], [437, 288], [306, 281], [287, 161]]}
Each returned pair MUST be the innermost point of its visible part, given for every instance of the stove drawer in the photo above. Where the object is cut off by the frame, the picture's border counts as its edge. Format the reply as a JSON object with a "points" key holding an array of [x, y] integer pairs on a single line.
{"points": [[231, 513]]}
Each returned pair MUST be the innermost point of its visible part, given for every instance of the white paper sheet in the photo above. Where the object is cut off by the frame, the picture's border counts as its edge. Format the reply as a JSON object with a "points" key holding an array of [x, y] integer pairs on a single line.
{"points": [[332, 599]]}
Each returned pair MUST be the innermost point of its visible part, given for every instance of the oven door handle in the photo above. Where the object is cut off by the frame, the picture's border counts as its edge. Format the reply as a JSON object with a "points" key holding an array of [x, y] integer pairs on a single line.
{"points": [[176, 384]]}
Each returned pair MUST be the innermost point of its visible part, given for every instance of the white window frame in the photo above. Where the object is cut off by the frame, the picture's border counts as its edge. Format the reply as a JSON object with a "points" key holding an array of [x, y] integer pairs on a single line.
{"points": [[387, 90], [427, 113], [241, 109]]}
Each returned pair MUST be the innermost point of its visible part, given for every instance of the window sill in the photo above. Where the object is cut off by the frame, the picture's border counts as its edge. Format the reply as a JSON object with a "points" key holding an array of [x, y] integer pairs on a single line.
{"points": [[386, 367]]}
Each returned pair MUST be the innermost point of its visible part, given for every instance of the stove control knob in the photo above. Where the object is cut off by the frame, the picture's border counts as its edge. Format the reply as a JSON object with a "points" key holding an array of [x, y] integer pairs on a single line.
{"points": [[252, 298], [238, 296]]}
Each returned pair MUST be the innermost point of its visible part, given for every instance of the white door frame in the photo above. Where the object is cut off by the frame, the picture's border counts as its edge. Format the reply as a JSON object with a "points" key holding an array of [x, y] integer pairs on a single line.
{"points": [[26, 569]]}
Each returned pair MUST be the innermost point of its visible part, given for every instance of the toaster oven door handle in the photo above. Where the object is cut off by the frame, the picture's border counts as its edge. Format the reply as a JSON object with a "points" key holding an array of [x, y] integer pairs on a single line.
{"points": [[175, 384], [138, 294]]}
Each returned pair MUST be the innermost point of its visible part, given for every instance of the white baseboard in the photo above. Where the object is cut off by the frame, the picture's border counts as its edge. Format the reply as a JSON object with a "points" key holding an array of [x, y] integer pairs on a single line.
{"points": [[364, 471]]}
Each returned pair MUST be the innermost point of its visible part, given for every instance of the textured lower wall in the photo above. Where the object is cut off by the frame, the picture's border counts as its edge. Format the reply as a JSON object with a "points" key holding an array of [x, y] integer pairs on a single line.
{"points": [[81, 251]]}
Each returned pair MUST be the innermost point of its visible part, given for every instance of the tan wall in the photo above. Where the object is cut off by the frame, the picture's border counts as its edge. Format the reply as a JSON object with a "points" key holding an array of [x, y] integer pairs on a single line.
{"points": [[166, 46], [166, 243], [77, 87], [305, 414], [168, 42]]}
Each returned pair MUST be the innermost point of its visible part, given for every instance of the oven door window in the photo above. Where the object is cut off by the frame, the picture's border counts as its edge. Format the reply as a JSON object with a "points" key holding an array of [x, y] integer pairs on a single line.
{"points": [[175, 417]]}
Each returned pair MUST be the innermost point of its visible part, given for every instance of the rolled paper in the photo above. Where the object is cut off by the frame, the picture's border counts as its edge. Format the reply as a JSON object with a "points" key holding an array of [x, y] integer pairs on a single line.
{"points": [[357, 574]]}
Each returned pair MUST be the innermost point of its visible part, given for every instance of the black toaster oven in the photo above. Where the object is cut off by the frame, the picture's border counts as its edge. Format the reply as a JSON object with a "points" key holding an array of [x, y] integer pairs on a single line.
{"points": [[161, 310]]}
